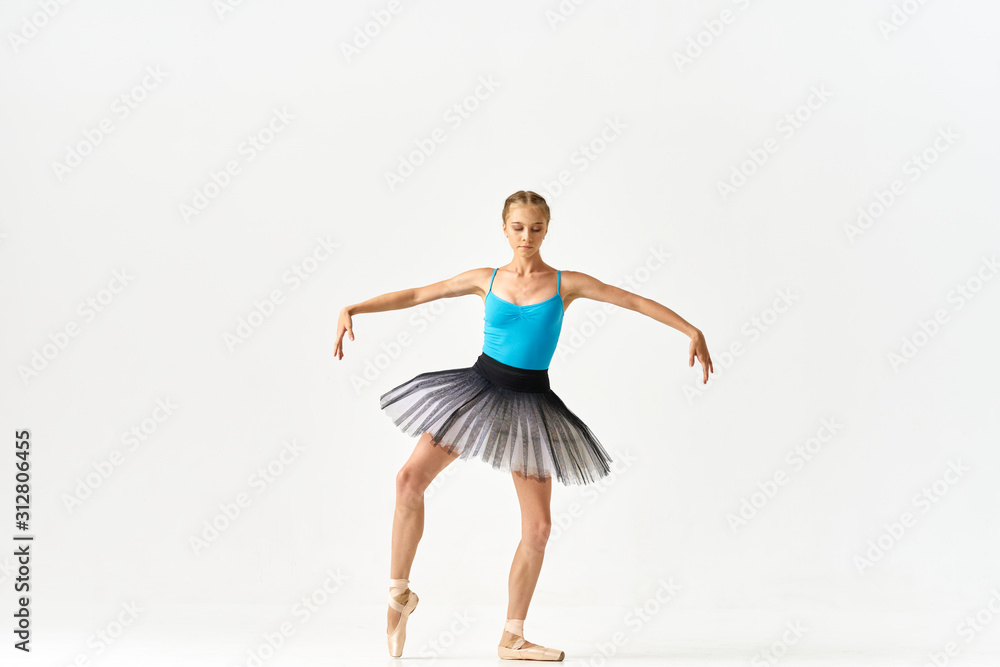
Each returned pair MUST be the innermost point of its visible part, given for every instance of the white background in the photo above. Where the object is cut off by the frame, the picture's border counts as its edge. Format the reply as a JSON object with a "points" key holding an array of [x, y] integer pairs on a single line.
{"points": [[687, 456]]}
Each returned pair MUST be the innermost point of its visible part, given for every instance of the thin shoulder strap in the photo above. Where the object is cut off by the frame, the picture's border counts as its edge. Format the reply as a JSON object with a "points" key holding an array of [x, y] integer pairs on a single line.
{"points": [[558, 282], [491, 280]]}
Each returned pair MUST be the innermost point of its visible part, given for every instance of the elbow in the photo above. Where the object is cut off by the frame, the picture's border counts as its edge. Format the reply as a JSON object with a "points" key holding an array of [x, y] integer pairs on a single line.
{"points": [[640, 304]]}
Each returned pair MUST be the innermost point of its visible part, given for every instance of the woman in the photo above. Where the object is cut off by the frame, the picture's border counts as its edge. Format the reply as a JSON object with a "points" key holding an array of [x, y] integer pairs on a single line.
{"points": [[500, 410]]}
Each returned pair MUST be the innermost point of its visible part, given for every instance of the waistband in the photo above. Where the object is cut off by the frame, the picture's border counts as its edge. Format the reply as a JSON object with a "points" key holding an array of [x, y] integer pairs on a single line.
{"points": [[512, 377]]}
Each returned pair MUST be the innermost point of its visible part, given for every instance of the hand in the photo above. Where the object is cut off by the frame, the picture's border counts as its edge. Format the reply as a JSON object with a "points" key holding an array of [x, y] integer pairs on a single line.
{"points": [[700, 349], [343, 324]]}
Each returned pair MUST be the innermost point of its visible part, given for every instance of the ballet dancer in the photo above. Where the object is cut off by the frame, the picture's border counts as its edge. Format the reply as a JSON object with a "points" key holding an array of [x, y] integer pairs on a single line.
{"points": [[501, 409]]}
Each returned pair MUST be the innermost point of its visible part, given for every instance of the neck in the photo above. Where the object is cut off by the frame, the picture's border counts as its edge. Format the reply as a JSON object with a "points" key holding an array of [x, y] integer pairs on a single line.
{"points": [[527, 265]]}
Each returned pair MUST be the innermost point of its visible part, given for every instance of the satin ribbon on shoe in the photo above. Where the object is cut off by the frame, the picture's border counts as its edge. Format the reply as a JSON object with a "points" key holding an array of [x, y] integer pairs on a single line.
{"points": [[397, 637], [515, 626]]}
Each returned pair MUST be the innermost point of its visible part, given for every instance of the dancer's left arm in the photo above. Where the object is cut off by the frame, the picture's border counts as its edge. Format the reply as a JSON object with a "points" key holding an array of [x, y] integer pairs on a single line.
{"points": [[579, 285]]}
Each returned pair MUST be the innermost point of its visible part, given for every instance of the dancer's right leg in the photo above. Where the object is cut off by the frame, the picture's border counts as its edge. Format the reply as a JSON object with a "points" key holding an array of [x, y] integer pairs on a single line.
{"points": [[426, 461]]}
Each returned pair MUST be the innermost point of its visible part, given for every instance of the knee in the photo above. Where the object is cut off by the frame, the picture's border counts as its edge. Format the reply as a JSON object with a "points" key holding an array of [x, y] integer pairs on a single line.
{"points": [[410, 487], [535, 534]]}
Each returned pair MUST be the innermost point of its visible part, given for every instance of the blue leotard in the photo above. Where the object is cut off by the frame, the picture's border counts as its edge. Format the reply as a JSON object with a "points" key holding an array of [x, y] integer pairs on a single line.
{"points": [[522, 336]]}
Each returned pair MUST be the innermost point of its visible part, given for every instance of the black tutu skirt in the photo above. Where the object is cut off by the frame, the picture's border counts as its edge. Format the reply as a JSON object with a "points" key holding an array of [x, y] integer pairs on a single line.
{"points": [[506, 416]]}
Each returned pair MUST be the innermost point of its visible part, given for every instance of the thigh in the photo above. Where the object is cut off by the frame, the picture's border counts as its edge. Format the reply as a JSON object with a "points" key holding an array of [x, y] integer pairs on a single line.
{"points": [[427, 459]]}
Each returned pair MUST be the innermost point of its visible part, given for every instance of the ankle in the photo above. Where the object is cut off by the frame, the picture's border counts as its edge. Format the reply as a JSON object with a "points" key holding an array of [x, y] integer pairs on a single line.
{"points": [[514, 626], [398, 586]]}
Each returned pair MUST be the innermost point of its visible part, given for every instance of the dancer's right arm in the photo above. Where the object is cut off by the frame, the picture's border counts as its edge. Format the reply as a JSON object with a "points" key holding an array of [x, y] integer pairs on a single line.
{"points": [[467, 282]]}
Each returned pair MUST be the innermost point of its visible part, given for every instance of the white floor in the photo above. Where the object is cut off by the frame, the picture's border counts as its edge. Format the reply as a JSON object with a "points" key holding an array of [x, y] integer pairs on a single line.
{"points": [[231, 636]]}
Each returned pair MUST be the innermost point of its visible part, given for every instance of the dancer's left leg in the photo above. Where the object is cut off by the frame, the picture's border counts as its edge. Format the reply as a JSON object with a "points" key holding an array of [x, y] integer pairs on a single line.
{"points": [[535, 498]]}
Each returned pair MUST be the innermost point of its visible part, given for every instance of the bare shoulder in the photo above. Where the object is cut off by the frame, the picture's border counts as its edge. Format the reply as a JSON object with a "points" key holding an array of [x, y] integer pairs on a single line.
{"points": [[473, 281], [476, 281], [576, 283], [579, 285]]}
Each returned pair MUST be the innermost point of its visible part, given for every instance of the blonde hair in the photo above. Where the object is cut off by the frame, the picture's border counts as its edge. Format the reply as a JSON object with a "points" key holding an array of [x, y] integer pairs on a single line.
{"points": [[526, 198]]}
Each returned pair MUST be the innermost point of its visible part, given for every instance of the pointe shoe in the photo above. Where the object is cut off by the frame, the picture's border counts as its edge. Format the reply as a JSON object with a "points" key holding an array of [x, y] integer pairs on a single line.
{"points": [[516, 652], [397, 637]]}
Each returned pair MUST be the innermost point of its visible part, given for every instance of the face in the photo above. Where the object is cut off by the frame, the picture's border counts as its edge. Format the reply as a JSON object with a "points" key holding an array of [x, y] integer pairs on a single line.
{"points": [[525, 228]]}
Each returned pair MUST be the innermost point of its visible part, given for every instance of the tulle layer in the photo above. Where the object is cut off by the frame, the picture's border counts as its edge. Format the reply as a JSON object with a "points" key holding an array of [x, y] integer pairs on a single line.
{"points": [[505, 416]]}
